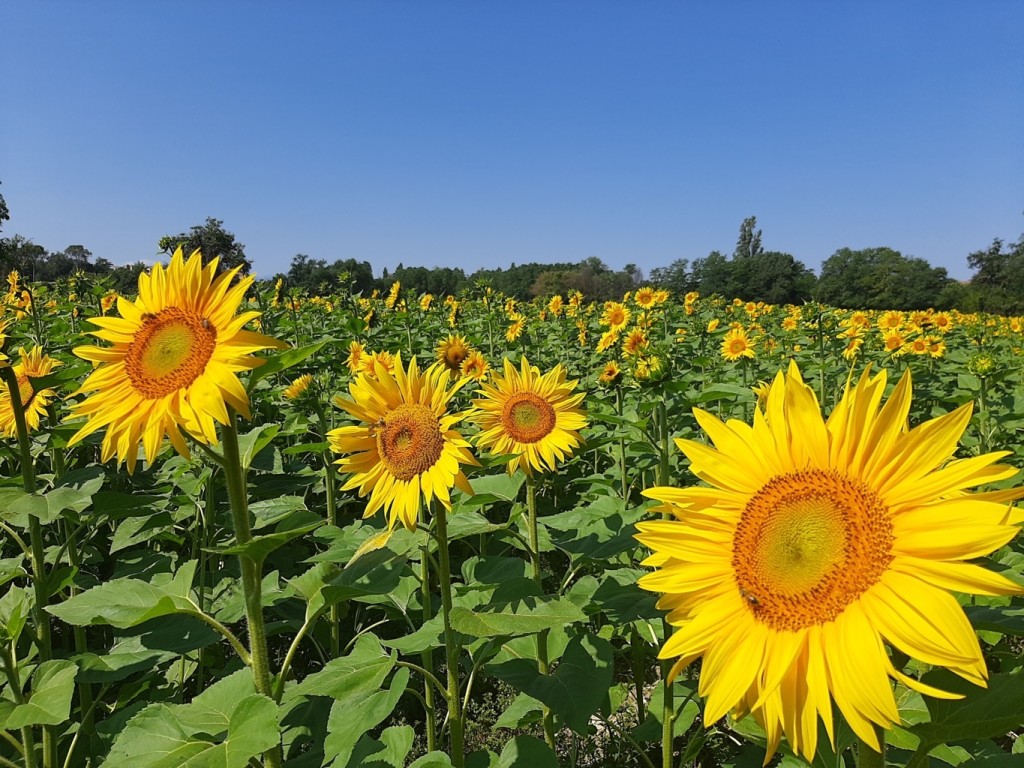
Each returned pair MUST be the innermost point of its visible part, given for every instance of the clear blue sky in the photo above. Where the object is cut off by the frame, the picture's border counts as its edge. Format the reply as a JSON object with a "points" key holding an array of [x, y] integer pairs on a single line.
{"points": [[478, 134]]}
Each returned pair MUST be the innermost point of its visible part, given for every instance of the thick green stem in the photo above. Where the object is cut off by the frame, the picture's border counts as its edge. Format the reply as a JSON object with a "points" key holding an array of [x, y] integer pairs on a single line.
{"points": [[624, 479], [251, 582], [14, 684], [543, 665], [40, 617], [867, 756], [332, 517], [451, 647], [427, 657]]}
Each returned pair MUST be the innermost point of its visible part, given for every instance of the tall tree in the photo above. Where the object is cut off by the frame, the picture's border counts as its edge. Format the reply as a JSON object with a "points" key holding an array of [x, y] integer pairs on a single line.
{"points": [[5, 215], [748, 244], [674, 277], [999, 276], [213, 240]]}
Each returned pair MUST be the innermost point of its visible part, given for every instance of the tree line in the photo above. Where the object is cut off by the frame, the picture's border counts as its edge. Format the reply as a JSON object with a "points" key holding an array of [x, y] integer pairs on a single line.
{"points": [[869, 278]]}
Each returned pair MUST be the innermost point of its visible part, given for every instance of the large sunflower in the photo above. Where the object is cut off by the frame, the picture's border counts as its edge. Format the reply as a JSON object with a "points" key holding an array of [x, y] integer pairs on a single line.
{"points": [[817, 542], [407, 450], [176, 350], [32, 365], [536, 418]]}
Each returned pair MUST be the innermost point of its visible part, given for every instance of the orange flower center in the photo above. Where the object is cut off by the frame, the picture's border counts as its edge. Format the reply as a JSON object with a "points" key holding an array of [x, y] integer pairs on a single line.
{"points": [[409, 441], [807, 545], [527, 417], [169, 351]]}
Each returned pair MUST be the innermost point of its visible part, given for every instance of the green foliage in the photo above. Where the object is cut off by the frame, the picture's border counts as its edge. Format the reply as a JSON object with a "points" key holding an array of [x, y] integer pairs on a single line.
{"points": [[880, 278], [213, 240]]}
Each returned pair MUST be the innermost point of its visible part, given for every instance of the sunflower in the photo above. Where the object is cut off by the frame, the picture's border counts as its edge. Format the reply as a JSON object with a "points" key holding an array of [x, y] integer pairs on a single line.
{"points": [[475, 366], [33, 365], [535, 417], [737, 344], [817, 543], [644, 296], [615, 315], [636, 342], [176, 350], [407, 450], [608, 340], [611, 374], [452, 351], [355, 356], [556, 305], [298, 387], [516, 329]]}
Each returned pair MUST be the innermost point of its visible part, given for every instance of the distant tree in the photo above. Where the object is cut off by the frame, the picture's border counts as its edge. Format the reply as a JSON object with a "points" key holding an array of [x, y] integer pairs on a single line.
{"points": [[880, 278], [674, 277], [713, 274], [22, 254], [213, 240], [5, 215], [773, 277], [999, 276], [748, 244]]}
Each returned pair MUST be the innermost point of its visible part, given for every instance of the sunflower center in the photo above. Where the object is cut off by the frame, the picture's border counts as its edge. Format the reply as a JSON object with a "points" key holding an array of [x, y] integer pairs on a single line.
{"points": [[169, 351], [527, 417], [737, 345], [409, 441], [808, 544]]}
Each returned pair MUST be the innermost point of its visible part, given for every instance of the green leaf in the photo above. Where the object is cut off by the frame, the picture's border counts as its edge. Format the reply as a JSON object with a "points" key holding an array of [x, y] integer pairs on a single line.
{"points": [[500, 487], [120, 603], [432, 760], [577, 687], [1007, 620], [349, 720], [527, 752], [352, 677], [258, 547], [526, 617], [983, 713], [285, 360], [254, 441], [724, 392], [49, 701]]}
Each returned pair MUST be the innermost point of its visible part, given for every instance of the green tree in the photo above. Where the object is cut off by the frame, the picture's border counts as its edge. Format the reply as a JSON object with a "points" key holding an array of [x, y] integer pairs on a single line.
{"points": [[748, 245], [213, 240], [674, 277], [880, 278], [999, 276], [5, 215]]}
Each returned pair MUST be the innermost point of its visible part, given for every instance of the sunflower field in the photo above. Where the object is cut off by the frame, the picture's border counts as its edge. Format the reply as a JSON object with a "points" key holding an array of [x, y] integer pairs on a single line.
{"points": [[243, 526]]}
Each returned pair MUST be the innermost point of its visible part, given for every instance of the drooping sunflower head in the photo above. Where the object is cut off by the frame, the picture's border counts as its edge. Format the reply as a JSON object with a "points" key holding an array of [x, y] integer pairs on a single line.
{"points": [[611, 374], [173, 362], [452, 351], [534, 417], [406, 449], [34, 399], [815, 543], [355, 356]]}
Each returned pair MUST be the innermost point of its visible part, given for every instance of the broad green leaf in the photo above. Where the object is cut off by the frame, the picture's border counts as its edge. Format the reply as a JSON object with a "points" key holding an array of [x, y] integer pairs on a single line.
{"points": [[285, 360], [258, 547], [49, 700], [982, 714], [432, 760], [524, 618], [352, 677], [501, 487], [526, 752], [576, 688], [1007, 620], [154, 739], [349, 721], [120, 603]]}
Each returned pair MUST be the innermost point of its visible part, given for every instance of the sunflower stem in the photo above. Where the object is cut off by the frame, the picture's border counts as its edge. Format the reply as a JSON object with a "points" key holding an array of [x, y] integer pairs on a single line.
{"points": [[451, 647], [668, 708], [14, 684], [40, 617], [868, 756], [332, 516], [427, 657], [622, 446], [234, 475], [543, 665]]}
